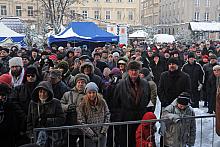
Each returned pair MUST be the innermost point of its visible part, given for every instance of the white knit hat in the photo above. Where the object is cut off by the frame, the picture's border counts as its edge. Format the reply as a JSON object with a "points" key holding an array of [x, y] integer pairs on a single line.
{"points": [[15, 61]]}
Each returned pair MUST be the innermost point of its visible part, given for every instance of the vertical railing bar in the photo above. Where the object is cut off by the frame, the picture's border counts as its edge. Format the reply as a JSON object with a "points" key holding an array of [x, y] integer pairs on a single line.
{"points": [[201, 134], [127, 135], [113, 135]]}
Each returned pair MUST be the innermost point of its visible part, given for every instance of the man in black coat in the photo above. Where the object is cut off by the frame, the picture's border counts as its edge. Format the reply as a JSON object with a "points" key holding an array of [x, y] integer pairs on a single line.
{"points": [[131, 98], [172, 83], [197, 76]]}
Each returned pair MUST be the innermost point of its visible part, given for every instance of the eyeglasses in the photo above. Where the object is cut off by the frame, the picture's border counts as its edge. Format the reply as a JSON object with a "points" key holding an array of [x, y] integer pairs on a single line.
{"points": [[31, 75]]}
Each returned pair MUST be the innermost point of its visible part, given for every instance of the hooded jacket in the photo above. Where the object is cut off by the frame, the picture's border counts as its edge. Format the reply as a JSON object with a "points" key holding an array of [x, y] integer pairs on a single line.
{"points": [[51, 111], [93, 77], [178, 132], [145, 131]]}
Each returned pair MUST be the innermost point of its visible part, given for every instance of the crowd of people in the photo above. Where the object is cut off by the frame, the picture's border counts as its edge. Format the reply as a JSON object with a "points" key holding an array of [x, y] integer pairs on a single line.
{"points": [[58, 86]]}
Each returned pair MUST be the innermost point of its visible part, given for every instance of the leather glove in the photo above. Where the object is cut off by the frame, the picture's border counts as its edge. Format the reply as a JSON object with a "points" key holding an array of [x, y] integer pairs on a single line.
{"points": [[71, 107], [200, 87]]}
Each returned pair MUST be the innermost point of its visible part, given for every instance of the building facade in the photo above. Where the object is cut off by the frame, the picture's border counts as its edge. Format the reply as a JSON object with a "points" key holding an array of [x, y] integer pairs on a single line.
{"points": [[175, 15], [108, 11], [150, 12]]}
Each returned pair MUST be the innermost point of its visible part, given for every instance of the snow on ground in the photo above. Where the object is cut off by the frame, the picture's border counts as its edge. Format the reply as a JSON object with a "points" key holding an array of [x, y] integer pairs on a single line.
{"points": [[205, 129]]}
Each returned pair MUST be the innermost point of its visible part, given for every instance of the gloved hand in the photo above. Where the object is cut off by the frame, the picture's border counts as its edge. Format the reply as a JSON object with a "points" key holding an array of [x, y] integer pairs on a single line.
{"points": [[43, 119], [95, 138], [71, 107], [200, 87]]}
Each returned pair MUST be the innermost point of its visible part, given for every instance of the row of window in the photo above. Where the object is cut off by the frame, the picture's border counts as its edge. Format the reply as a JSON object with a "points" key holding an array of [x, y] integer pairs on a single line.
{"points": [[207, 3], [109, 1], [197, 16], [97, 15], [18, 9]]}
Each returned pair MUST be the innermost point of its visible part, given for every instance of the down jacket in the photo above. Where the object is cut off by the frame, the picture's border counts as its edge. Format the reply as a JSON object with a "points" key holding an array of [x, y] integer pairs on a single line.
{"points": [[178, 132], [145, 133]]}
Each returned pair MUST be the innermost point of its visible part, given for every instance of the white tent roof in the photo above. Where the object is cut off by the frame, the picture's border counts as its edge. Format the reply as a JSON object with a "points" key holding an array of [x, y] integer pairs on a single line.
{"points": [[164, 38], [205, 26], [7, 32], [139, 34], [70, 33]]}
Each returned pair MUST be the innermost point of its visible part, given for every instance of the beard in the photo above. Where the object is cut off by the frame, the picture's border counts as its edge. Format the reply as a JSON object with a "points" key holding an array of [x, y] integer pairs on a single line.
{"points": [[16, 73]]}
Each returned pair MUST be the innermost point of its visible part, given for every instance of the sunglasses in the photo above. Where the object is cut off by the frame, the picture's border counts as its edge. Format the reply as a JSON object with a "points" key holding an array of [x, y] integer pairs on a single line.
{"points": [[31, 75]]}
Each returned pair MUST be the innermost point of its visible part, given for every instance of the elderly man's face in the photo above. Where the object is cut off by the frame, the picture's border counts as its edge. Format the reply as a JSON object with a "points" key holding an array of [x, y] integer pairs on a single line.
{"points": [[172, 67], [133, 74], [16, 70], [77, 53]]}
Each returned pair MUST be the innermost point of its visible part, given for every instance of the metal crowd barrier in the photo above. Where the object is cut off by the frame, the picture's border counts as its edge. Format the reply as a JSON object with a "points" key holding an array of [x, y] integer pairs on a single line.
{"points": [[200, 136]]}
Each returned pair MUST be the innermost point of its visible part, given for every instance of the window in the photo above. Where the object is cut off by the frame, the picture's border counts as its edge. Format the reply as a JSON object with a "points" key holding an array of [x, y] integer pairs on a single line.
{"points": [[96, 14], [107, 1], [207, 4], [30, 11], [206, 16], [118, 15], [197, 3], [85, 14], [96, 0], [130, 15], [18, 10], [107, 15], [130, 1], [119, 1], [73, 14], [3, 10], [196, 18]]}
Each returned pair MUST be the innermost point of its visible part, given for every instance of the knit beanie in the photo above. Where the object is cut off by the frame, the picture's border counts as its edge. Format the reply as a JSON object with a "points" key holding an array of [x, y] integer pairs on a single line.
{"points": [[183, 98], [134, 65], [91, 86], [6, 80], [15, 61], [81, 76], [145, 71]]}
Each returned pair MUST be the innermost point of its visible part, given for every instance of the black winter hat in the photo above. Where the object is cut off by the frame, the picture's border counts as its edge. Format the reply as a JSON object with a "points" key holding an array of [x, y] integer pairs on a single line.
{"points": [[191, 55], [173, 60], [183, 98], [31, 70], [135, 65], [145, 71]]}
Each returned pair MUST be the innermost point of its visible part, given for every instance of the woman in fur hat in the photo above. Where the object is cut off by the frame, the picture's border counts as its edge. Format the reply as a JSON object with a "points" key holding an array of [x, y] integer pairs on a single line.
{"points": [[93, 110]]}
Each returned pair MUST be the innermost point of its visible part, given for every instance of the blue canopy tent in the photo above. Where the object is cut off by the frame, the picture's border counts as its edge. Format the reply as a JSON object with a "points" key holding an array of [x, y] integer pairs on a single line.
{"points": [[8, 36], [83, 32]]}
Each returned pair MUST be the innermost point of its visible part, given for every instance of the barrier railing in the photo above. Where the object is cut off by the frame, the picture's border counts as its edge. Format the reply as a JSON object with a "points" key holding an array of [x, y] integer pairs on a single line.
{"points": [[63, 133]]}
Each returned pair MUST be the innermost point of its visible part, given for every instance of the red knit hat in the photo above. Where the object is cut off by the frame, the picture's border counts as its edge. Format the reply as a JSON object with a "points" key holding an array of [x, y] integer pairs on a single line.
{"points": [[6, 79]]}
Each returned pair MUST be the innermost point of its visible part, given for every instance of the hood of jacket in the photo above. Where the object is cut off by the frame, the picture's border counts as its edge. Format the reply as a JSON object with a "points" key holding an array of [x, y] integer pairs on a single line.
{"points": [[45, 85], [149, 116], [81, 69]]}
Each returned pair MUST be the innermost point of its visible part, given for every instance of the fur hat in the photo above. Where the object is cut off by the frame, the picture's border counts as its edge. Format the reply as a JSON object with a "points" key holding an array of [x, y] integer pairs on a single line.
{"points": [[135, 65], [173, 60], [183, 98], [6, 80], [81, 76], [216, 67], [91, 86], [15, 61]]}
